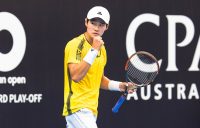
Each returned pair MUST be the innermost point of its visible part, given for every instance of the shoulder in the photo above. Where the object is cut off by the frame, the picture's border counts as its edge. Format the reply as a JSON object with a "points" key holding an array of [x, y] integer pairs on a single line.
{"points": [[74, 42]]}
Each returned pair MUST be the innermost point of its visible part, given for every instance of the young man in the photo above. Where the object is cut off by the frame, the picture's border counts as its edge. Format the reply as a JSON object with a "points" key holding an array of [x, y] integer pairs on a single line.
{"points": [[84, 62]]}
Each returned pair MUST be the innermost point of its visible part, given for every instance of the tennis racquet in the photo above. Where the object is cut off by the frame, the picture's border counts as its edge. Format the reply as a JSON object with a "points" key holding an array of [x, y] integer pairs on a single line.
{"points": [[141, 69]]}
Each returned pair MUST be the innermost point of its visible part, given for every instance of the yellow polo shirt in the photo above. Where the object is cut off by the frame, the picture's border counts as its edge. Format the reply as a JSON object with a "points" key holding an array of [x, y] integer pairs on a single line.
{"points": [[85, 93]]}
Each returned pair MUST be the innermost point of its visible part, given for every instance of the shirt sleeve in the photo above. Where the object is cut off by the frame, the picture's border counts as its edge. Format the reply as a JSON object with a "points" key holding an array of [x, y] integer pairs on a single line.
{"points": [[72, 53]]}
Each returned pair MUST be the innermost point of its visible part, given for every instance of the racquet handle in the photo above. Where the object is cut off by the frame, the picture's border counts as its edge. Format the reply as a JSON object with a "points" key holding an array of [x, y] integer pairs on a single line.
{"points": [[119, 103]]}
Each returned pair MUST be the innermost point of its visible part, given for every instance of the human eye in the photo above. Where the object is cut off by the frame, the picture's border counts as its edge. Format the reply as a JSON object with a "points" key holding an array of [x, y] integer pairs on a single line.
{"points": [[92, 22], [102, 25]]}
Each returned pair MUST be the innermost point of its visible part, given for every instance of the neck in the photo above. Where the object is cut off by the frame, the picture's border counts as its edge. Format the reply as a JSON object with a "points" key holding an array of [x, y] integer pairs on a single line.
{"points": [[88, 38]]}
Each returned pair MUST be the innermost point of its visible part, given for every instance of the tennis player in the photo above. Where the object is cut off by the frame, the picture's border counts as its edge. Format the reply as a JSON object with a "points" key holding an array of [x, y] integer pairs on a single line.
{"points": [[84, 62]]}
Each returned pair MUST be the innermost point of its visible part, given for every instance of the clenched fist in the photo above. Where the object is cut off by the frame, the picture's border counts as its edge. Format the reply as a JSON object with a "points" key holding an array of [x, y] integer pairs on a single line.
{"points": [[97, 42]]}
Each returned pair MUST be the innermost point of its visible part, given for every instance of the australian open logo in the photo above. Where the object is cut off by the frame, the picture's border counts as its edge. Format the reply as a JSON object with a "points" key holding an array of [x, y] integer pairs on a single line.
{"points": [[11, 60]]}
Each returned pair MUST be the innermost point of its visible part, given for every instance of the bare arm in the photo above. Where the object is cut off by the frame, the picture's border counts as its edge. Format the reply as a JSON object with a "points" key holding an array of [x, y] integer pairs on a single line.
{"points": [[105, 84], [78, 71]]}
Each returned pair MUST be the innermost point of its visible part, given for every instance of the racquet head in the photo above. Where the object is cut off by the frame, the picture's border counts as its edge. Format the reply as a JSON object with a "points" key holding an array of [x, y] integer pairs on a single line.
{"points": [[141, 68]]}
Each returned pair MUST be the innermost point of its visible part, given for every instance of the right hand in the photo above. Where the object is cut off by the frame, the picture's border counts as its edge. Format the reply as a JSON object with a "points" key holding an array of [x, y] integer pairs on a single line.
{"points": [[129, 86], [97, 42]]}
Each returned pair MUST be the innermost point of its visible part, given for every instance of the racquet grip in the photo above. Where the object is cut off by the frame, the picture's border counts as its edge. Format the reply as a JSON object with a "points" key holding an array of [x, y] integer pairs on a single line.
{"points": [[119, 103]]}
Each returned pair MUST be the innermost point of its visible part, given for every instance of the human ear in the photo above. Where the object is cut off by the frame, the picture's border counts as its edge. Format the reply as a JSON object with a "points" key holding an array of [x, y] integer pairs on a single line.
{"points": [[107, 25], [86, 22]]}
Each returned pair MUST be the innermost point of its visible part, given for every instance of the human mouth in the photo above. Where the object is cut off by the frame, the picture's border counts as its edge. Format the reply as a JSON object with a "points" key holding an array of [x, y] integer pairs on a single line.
{"points": [[96, 34]]}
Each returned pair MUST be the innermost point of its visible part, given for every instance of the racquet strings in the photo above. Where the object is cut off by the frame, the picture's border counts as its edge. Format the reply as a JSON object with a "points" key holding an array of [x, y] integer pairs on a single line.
{"points": [[141, 69]]}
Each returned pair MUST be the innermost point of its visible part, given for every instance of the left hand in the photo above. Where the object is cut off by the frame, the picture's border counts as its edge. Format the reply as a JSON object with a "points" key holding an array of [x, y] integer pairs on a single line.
{"points": [[130, 87]]}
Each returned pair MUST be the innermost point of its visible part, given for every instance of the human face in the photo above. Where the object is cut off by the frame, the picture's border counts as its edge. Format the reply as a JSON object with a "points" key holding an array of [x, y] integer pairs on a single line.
{"points": [[95, 28]]}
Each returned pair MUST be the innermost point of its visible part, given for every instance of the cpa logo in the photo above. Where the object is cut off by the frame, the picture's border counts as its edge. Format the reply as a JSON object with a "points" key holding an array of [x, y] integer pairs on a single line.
{"points": [[9, 61], [173, 20]]}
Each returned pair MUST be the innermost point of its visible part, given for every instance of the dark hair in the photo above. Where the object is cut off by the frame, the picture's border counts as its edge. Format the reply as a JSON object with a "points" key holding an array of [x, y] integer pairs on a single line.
{"points": [[94, 19]]}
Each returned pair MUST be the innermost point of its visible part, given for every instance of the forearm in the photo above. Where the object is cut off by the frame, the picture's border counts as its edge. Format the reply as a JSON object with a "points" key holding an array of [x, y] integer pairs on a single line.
{"points": [[112, 85], [104, 83], [78, 71]]}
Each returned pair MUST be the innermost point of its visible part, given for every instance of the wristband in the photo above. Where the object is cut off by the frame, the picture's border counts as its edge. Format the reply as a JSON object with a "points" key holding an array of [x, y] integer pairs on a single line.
{"points": [[113, 85], [90, 56]]}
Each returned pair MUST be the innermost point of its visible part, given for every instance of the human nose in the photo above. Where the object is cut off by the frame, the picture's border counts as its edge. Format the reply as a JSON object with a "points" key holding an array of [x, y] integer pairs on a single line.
{"points": [[96, 27]]}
